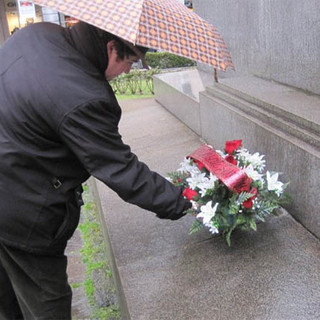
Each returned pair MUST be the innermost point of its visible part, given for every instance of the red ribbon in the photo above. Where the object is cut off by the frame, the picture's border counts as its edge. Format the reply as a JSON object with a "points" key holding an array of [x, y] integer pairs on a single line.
{"points": [[233, 177]]}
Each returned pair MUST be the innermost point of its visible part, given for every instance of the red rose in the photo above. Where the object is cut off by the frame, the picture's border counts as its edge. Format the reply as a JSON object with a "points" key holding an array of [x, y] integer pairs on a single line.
{"points": [[199, 164], [232, 146], [247, 204], [254, 191], [189, 193], [231, 159]]}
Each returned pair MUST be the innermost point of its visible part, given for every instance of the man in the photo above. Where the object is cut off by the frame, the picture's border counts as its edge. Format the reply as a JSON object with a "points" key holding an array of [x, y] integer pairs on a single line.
{"points": [[59, 125]]}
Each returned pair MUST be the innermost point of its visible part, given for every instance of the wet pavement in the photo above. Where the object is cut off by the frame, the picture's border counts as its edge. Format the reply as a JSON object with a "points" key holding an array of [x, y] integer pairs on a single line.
{"points": [[166, 274]]}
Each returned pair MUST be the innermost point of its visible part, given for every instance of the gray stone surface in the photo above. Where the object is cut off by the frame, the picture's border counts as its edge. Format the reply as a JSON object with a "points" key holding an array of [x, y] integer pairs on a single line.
{"points": [[179, 92], [280, 122], [288, 99], [277, 40], [166, 274]]}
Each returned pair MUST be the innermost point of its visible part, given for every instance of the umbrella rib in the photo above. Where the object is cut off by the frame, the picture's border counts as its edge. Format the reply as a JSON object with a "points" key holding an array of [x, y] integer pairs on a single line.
{"points": [[138, 22]]}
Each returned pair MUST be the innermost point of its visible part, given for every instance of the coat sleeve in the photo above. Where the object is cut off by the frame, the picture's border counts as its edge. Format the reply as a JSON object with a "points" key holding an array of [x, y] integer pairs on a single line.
{"points": [[91, 132]]}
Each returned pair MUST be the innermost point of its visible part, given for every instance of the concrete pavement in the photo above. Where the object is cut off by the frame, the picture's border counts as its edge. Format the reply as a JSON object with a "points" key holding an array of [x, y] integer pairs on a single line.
{"points": [[163, 273]]}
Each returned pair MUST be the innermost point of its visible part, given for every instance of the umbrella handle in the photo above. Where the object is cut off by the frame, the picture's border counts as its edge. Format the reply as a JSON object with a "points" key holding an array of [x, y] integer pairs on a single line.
{"points": [[216, 75]]}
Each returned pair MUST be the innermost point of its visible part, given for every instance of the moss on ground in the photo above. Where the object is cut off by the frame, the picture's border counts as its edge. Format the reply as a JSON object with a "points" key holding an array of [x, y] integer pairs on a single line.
{"points": [[98, 284]]}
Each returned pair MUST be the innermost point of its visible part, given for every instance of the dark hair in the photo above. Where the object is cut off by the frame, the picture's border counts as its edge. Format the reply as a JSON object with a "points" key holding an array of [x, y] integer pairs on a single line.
{"points": [[124, 51], [123, 47]]}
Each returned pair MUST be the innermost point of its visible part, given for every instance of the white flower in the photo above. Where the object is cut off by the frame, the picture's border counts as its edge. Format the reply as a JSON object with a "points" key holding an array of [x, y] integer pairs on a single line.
{"points": [[196, 179], [254, 159], [252, 173], [212, 228], [187, 166], [257, 161], [273, 183], [207, 184], [207, 212], [195, 205]]}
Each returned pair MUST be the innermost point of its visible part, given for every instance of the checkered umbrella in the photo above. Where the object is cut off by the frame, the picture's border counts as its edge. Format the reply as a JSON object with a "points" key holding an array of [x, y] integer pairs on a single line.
{"points": [[159, 24]]}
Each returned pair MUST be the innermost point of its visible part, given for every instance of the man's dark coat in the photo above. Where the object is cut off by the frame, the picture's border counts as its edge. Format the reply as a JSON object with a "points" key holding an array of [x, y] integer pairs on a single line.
{"points": [[59, 125]]}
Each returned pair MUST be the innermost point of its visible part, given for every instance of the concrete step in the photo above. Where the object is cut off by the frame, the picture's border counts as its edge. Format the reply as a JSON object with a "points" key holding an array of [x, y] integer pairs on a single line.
{"points": [[292, 103], [272, 115]]}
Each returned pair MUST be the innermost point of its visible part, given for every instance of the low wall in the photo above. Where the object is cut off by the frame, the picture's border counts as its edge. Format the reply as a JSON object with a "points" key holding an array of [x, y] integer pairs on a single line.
{"points": [[179, 92]]}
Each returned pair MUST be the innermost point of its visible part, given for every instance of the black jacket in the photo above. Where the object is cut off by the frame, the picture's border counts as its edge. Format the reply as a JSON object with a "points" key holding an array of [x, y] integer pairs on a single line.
{"points": [[59, 125]]}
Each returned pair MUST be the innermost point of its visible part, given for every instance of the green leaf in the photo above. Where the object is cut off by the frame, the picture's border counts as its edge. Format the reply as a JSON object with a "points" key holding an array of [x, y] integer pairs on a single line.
{"points": [[178, 178], [195, 227], [228, 237], [253, 225], [244, 196]]}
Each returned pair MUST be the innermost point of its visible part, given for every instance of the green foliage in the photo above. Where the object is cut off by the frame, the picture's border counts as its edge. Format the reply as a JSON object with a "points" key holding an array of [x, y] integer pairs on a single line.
{"points": [[165, 60], [137, 82], [178, 178], [94, 257], [76, 285], [195, 227]]}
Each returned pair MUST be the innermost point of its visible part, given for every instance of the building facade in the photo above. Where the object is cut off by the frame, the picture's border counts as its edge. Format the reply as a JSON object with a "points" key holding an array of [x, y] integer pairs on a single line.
{"points": [[16, 14]]}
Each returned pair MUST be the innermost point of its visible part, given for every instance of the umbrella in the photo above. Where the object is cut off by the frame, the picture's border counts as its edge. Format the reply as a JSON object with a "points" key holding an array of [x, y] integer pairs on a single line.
{"points": [[165, 25]]}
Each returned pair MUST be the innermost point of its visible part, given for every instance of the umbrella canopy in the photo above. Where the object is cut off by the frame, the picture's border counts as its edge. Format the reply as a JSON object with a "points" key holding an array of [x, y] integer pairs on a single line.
{"points": [[159, 24]]}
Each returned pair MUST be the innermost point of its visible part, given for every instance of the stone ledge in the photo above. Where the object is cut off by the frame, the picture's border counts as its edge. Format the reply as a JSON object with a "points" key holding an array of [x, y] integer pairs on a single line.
{"points": [[290, 110], [271, 115], [264, 93]]}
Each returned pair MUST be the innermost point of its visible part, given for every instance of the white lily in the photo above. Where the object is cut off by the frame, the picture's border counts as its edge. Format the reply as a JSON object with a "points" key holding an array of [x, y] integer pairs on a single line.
{"points": [[273, 183], [256, 160], [212, 228], [207, 212], [207, 184], [196, 179], [187, 166], [252, 173]]}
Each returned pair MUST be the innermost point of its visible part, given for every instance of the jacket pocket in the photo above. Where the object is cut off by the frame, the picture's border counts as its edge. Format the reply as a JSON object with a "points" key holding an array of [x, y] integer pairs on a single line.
{"points": [[69, 223]]}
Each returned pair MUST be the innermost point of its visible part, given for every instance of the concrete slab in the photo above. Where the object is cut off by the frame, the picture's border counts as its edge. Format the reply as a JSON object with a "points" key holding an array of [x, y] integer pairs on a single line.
{"points": [[165, 274]]}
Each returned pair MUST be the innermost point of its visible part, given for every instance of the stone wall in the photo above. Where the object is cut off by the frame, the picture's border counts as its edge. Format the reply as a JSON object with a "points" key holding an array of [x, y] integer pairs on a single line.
{"points": [[274, 39]]}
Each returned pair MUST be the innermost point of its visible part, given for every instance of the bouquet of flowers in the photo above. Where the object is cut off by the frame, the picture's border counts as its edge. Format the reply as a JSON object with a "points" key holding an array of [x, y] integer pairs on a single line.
{"points": [[228, 189]]}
